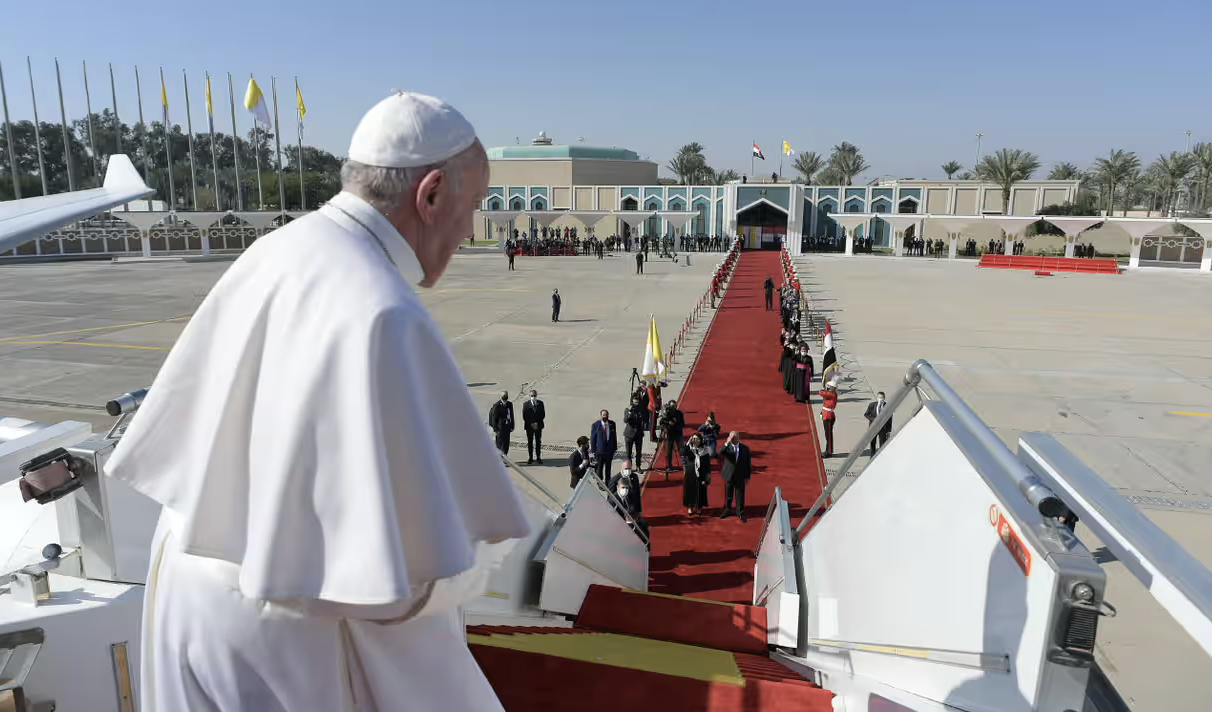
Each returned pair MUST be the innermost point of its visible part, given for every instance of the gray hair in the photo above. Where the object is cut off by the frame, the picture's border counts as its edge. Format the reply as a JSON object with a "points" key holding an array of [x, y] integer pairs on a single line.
{"points": [[384, 188]]}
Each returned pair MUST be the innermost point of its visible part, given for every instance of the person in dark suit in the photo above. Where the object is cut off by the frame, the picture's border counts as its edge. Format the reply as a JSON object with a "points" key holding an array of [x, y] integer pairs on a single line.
{"points": [[603, 442], [626, 501], [639, 263], [768, 285], [735, 472], [533, 415], [578, 461], [555, 305], [500, 419], [634, 420], [874, 410]]}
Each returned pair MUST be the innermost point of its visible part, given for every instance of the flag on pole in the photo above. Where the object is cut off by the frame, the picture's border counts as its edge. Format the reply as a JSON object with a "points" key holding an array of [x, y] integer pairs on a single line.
{"points": [[164, 100], [300, 109], [757, 152], [210, 109], [829, 367], [654, 359], [254, 101], [787, 149]]}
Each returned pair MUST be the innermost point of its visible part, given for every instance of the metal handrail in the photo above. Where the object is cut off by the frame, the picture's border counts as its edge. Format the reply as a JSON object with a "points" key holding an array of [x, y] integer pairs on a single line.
{"points": [[921, 371], [532, 481], [1146, 551], [610, 497], [770, 510]]}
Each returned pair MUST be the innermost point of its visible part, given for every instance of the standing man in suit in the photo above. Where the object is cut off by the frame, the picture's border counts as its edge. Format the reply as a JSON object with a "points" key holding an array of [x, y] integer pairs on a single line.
{"points": [[634, 420], [603, 442], [578, 461], [874, 410], [639, 263], [735, 473], [555, 305], [533, 415], [768, 285], [500, 419]]}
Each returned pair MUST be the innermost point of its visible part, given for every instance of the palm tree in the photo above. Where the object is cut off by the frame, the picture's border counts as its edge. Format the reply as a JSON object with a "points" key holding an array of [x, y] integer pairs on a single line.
{"points": [[1007, 167], [967, 175], [1172, 170], [1117, 167], [828, 176], [847, 162], [951, 168], [1066, 171], [689, 163], [1203, 175], [808, 164]]}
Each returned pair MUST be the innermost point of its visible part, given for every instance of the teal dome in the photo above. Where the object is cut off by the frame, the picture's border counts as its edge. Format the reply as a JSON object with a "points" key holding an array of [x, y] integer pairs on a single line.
{"points": [[561, 152]]}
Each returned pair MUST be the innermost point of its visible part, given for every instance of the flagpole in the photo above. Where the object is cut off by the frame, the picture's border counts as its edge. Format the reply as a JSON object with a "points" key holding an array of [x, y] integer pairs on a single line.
{"points": [[273, 81], [8, 138], [88, 107], [67, 145], [168, 147], [214, 146], [113, 92], [299, 118], [235, 144], [143, 137], [257, 154], [189, 124], [751, 159], [37, 133]]}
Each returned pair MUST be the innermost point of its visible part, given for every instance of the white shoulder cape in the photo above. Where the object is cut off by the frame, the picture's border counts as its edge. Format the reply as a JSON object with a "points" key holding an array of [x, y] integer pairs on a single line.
{"points": [[311, 426]]}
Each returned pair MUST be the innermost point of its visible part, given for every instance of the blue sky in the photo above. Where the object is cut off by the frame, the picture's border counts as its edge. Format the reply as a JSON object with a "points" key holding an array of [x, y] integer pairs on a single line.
{"points": [[1067, 79]]}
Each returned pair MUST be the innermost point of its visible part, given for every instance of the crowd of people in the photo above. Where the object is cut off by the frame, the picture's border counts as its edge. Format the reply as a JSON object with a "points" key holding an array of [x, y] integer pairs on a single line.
{"points": [[544, 241]]}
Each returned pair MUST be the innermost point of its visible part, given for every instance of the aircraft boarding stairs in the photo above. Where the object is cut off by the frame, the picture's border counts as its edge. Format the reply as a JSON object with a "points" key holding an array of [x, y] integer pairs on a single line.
{"points": [[938, 579]]}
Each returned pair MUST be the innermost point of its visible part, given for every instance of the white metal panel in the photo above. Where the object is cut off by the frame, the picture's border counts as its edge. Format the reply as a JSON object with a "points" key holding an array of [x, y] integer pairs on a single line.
{"points": [[506, 594], [773, 576], [909, 557], [74, 668], [594, 545]]}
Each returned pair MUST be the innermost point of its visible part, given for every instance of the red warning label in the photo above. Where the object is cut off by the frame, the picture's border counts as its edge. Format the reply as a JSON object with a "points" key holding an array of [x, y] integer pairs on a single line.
{"points": [[1010, 540]]}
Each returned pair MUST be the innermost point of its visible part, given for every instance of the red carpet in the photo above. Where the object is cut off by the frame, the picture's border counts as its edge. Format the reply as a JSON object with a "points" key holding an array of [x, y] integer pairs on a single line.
{"points": [[737, 377], [737, 628]]}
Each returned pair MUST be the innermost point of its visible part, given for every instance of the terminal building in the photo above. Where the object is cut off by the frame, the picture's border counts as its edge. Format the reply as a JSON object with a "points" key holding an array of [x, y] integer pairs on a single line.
{"points": [[597, 187]]}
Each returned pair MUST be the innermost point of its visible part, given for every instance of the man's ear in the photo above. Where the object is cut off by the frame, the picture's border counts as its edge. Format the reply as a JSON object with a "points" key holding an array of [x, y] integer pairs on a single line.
{"points": [[431, 193]]}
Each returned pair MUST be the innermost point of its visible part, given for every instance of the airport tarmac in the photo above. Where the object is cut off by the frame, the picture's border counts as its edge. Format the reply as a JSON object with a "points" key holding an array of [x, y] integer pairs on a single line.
{"points": [[1117, 367], [74, 335]]}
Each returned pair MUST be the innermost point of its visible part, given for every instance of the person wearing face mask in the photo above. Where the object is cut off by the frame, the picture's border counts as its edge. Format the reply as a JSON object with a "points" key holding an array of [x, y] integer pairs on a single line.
{"points": [[533, 415], [603, 443], [500, 419], [696, 464], [627, 501], [874, 410], [710, 432]]}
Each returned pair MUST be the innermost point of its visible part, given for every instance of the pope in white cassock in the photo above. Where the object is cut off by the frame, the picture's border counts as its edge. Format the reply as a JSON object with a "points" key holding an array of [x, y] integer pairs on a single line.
{"points": [[330, 494]]}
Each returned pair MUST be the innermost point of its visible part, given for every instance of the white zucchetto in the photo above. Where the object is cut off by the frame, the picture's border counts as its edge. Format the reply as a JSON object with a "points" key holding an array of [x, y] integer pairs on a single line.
{"points": [[407, 130]]}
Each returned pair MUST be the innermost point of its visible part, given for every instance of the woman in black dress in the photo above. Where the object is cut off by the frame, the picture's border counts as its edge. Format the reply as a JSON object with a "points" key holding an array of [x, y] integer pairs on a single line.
{"points": [[697, 469]]}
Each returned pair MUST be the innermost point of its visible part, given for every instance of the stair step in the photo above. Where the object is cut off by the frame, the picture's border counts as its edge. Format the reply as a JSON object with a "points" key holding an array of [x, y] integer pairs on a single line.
{"points": [[711, 624]]}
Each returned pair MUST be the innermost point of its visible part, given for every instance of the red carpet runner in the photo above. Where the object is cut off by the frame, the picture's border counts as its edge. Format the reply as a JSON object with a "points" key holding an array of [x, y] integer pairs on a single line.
{"points": [[737, 377]]}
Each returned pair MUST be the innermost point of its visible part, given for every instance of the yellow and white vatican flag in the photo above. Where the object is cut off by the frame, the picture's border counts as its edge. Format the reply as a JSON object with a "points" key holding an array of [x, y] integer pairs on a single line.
{"points": [[654, 358], [255, 102]]}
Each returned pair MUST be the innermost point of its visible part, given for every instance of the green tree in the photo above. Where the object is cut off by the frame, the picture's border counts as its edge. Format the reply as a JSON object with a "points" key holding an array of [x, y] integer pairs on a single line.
{"points": [[808, 165], [1005, 168], [1066, 171], [951, 168], [845, 163], [1171, 171], [1112, 171]]}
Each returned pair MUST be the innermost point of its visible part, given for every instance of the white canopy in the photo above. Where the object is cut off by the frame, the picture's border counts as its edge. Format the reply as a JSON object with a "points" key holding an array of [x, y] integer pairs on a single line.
{"points": [[1072, 226], [634, 218], [956, 224], [589, 218], [500, 218], [1012, 224], [1139, 227], [900, 221], [546, 217], [678, 218], [851, 220]]}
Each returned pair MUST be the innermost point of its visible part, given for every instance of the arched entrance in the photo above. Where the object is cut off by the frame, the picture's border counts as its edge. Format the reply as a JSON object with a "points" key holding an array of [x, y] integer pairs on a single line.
{"points": [[762, 225], [628, 204]]}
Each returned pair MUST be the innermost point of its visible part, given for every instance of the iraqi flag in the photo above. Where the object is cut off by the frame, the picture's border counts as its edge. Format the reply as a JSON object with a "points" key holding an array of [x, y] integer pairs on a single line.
{"points": [[829, 367], [757, 152]]}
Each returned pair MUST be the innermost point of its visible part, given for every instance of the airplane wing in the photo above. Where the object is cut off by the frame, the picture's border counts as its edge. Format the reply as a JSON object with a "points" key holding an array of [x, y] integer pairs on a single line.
{"points": [[23, 220]]}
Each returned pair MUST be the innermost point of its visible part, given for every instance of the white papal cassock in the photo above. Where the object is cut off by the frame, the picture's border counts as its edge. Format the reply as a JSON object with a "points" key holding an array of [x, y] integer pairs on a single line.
{"points": [[330, 494]]}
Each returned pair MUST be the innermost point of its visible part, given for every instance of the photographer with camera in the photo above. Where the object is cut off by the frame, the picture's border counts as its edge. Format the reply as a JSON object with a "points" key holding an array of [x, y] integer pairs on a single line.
{"points": [[671, 423], [635, 422]]}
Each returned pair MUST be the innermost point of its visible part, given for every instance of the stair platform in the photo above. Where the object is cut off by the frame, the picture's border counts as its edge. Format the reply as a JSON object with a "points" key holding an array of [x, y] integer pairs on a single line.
{"points": [[712, 624]]}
